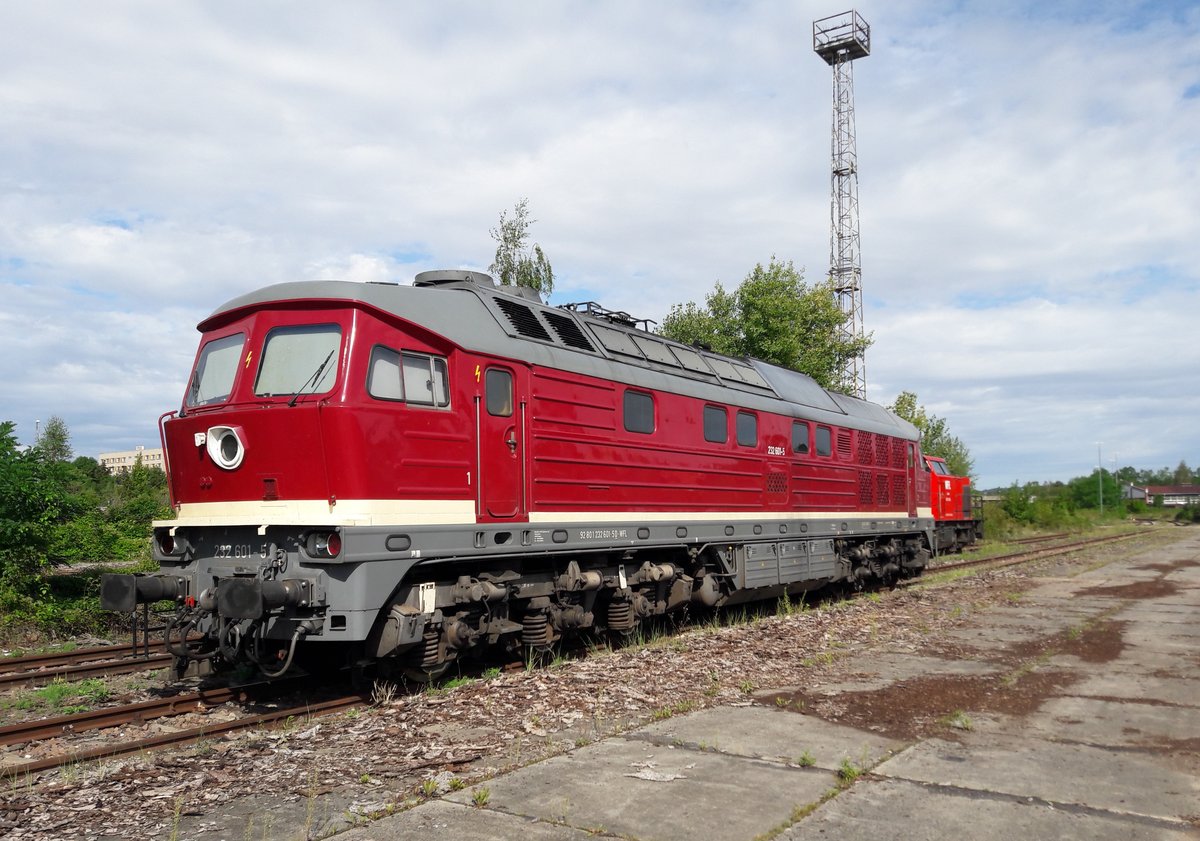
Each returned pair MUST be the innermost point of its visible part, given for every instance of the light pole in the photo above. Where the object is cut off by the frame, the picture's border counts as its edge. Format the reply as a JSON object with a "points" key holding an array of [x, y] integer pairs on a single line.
{"points": [[1100, 475]]}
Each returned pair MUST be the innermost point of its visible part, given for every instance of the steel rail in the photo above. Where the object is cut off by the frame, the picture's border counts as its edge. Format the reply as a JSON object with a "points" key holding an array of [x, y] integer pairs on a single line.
{"points": [[183, 737], [41, 677], [1014, 558], [1040, 538], [30, 662], [49, 728]]}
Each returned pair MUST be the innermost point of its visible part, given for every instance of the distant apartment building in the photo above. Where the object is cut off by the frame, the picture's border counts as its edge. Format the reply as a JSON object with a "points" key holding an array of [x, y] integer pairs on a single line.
{"points": [[124, 461]]}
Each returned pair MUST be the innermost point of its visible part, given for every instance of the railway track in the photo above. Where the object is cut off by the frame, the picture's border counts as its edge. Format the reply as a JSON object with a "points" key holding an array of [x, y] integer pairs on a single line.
{"points": [[1040, 538], [1014, 558], [148, 710], [41, 669], [138, 713]]}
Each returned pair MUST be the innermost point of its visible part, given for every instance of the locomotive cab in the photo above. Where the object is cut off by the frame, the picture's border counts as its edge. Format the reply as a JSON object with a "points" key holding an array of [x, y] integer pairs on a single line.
{"points": [[299, 426]]}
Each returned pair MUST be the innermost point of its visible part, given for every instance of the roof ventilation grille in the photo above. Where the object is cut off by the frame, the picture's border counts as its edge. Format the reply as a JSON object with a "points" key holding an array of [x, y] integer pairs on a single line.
{"points": [[568, 330], [523, 319]]}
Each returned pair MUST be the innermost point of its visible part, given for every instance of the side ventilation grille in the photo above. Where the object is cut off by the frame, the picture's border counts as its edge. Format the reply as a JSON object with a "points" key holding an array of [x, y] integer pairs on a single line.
{"points": [[864, 488], [843, 444]]}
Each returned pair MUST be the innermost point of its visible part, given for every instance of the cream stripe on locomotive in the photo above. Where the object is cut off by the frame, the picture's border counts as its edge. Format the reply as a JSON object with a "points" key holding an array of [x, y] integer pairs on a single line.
{"points": [[318, 512], [443, 512]]}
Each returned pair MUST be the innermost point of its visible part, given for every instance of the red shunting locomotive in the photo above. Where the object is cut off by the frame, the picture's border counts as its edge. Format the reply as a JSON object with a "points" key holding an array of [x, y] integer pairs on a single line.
{"points": [[958, 513], [406, 475]]}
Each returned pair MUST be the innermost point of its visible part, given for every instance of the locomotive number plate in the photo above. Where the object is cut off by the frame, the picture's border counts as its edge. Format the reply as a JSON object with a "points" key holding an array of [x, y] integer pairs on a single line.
{"points": [[239, 550], [603, 534]]}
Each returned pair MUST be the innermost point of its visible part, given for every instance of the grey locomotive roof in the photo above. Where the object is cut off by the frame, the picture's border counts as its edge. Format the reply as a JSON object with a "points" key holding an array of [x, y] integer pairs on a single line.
{"points": [[494, 320]]}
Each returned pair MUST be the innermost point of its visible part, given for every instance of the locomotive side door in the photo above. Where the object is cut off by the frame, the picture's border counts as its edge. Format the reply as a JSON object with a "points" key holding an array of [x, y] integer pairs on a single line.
{"points": [[500, 442]]}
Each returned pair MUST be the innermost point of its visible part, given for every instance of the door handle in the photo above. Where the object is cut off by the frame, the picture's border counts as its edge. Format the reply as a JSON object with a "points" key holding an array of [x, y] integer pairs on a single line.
{"points": [[512, 444]]}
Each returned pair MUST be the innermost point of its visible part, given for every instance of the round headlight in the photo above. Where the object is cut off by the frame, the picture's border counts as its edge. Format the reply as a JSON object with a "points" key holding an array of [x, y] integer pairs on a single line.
{"points": [[225, 446]]}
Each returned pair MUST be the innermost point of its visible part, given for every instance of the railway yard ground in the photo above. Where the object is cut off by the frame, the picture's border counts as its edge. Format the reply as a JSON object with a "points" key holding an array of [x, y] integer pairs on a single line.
{"points": [[1055, 699]]}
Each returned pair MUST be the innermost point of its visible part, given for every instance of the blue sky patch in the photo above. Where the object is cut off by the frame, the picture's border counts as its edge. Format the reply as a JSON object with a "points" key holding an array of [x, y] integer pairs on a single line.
{"points": [[409, 254]]}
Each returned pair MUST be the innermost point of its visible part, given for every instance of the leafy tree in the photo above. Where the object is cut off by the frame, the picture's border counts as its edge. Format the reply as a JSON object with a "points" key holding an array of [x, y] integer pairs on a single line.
{"points": [[1182, 475], [91, 471], [516, 262], [55, 440], [775, 316], [936, 439], [32, 500], [1085, 490]]}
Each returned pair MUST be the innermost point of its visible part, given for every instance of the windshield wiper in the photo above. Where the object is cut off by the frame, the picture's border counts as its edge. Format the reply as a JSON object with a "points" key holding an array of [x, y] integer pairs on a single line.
{"points": [[314, 379]]}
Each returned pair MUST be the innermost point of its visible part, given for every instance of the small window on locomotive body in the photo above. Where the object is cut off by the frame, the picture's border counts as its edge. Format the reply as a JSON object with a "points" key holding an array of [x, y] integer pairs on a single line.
{"points": [[939, 468], [716, 424], [800, 438], [747, 429], [415, 378], [424, 379], [383, 374], [212, 378], [639, 412], [299, 359], [498, 388], [824, 441]]}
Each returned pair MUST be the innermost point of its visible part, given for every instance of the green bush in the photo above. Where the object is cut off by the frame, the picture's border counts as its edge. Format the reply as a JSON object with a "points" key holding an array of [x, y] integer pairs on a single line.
{"points": [[1188, 514]]}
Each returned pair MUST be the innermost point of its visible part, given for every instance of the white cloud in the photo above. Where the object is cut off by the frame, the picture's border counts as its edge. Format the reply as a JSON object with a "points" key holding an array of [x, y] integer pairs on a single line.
{"points": [[1028, 179]]}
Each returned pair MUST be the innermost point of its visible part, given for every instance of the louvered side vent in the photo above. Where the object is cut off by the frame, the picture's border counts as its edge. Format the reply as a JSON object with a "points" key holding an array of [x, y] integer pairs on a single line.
{"points": [[898, 454], [777, 483], [881, 490], [882, 450], [523, 320], [898, 495], [843, 444], [568, 331], [864, 487]]}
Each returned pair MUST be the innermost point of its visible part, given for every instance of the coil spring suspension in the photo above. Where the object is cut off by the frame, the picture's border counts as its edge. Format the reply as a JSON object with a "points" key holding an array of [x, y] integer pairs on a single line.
{"points": [[620, 615], [431, 649], [535, 629]]}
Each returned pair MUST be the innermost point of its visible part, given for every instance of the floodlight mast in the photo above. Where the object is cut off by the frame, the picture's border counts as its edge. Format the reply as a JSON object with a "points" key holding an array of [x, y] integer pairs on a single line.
{"points": [[839, 40]]}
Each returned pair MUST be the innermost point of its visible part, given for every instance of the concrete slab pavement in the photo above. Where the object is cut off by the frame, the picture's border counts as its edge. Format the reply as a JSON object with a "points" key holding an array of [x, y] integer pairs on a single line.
{"points": [[1108, 749]]}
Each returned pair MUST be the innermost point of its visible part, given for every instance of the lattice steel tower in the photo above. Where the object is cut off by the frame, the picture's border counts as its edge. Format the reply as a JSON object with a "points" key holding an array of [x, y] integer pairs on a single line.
{"points": [[839, 40]]}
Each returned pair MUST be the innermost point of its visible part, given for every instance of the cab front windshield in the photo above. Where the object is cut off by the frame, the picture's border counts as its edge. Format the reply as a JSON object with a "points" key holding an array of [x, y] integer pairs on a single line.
{"points": [[299, 360], [212, 378]]}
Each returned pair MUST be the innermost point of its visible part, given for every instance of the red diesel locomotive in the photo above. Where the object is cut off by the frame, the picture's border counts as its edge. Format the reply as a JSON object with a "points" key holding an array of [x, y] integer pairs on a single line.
{"points": [[407, 474], [959, 523]]}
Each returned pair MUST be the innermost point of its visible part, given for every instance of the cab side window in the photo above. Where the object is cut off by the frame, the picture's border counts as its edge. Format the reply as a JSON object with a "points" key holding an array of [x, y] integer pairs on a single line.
{"points": [[406, 376]]}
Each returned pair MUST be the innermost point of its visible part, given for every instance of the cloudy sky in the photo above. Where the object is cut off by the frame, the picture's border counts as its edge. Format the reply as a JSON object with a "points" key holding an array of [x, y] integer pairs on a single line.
{"points": [[1029, 185]]}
